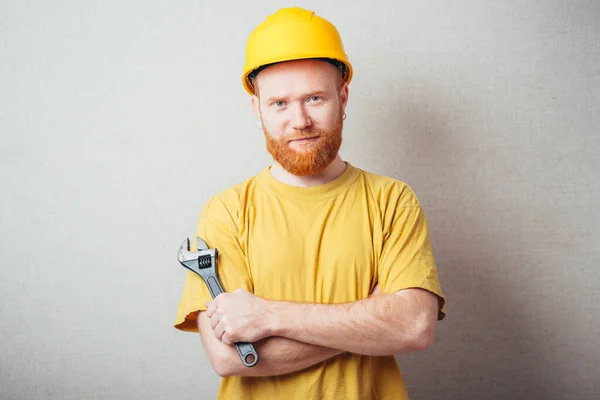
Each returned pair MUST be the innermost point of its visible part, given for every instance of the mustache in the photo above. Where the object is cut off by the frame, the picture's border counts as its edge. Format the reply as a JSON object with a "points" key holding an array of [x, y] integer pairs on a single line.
{"points": [[304, 134]]}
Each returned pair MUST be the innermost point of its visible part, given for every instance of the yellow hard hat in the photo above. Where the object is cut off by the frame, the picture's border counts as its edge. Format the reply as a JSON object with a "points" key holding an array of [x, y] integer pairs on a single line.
{"points": [[293, 34]]}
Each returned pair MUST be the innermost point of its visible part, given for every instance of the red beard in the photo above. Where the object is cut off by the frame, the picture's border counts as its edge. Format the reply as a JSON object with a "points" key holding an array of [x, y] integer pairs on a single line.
{"points": [[314, 157]]}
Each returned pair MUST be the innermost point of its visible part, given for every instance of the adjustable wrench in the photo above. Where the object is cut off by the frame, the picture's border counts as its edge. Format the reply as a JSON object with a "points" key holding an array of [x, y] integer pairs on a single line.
{"points": [[204, 263]]}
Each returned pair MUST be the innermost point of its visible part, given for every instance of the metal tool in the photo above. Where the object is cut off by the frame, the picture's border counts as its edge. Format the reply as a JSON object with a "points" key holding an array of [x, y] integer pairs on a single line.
{"points": [[204, 263]]}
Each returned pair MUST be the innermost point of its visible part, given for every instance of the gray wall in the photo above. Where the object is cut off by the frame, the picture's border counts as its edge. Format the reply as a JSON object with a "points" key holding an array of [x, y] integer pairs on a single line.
{"points": [[119, 119]]}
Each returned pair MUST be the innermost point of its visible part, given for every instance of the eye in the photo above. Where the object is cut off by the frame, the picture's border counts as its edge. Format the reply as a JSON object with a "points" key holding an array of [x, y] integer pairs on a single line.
{"points": [[279, 103], [315, 98]]}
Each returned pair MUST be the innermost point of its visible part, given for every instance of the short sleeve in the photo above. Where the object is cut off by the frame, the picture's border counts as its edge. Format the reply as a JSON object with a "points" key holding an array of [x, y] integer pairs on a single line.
{"points": [[218, 229], [407, 259]]}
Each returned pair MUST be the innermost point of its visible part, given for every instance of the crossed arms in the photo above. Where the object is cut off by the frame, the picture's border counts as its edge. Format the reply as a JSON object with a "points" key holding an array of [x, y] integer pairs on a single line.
{"points": [[292, 336]]}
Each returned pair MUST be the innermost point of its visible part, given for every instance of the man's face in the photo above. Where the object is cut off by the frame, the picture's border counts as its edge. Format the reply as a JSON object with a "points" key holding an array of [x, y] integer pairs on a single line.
{"points": [[301, 105]]}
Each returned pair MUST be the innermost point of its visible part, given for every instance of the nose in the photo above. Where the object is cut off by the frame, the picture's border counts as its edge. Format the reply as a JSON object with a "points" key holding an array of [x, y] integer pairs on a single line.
{"points": [[300, 119]]}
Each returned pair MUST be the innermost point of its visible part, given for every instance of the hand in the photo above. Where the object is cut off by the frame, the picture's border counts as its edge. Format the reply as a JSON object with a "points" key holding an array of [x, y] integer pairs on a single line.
{"points": [[238, 316]]}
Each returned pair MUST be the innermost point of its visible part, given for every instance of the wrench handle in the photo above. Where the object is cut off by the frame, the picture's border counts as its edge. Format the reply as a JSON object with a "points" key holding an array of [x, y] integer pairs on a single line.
{"points": [[214, 286], [246, 351]]}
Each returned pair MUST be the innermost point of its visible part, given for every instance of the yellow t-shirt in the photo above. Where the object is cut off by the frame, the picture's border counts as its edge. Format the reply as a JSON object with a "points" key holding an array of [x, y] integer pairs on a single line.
{"points": [[323, 244]]}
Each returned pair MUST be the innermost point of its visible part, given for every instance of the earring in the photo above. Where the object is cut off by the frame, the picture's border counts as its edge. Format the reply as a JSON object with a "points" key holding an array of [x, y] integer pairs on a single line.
{"points": [[344, 117], [260, 125]]}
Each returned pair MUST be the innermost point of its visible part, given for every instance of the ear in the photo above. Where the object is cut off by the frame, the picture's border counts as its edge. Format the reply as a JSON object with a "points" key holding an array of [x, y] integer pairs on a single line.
{"points": [[344, 94], [256, 106]]}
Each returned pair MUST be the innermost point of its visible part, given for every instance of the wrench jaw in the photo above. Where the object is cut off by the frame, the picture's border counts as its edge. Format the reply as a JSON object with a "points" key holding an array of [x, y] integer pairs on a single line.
{"points": [[201, 244], [190, 259], [184, 251], [185, 254]]}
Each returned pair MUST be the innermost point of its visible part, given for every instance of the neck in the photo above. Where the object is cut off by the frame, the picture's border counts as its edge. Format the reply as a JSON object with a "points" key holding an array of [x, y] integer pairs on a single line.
{"points": [[335, 169]]}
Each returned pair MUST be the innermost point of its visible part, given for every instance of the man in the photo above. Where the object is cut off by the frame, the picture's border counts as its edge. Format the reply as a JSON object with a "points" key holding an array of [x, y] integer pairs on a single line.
{"points": [[328, 268]]}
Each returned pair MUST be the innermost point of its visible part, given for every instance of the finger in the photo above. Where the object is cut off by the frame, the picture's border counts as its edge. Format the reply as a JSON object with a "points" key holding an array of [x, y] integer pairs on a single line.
{"points": [[219, 331], [214, 321], [226, 338], [211, 308]]}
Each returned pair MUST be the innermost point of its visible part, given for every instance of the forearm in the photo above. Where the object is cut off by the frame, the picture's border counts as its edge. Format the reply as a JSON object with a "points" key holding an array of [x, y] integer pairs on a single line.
{"points": [[277, 355], [381, 325]]}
